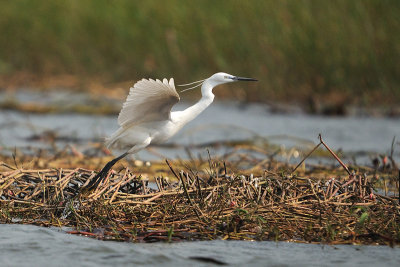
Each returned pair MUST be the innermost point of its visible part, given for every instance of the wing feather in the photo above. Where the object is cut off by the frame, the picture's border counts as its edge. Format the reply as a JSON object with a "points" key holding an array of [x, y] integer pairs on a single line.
{"points": [[148, 100]]}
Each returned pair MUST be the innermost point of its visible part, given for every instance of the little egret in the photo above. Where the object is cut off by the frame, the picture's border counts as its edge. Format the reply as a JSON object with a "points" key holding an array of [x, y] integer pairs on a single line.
{"points": [[146, 116]]}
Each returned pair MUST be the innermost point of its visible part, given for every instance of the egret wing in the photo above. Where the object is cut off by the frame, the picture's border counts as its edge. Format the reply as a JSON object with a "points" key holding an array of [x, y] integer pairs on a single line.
{"points": [[148, 100]]}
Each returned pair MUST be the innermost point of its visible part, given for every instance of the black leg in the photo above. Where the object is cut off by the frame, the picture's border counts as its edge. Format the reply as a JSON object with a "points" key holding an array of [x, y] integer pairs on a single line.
{"points": [[104, 172]]}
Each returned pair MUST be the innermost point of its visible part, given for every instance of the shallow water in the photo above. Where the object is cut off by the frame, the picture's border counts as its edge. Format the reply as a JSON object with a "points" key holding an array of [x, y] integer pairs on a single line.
{"points": [[221, 121], [27, 245]]}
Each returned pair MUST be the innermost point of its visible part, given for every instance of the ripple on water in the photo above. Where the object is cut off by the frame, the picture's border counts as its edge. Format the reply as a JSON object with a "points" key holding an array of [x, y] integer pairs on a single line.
{"points": [[27, 245]]}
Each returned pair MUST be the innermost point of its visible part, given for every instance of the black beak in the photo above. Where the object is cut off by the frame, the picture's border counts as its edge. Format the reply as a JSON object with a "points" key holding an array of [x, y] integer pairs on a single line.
{"points": [[244, 79]]}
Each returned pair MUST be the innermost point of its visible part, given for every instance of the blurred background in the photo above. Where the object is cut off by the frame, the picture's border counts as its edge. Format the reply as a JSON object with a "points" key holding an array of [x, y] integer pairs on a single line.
{"points": [[329, 67], [306, 52], [312, 58]]}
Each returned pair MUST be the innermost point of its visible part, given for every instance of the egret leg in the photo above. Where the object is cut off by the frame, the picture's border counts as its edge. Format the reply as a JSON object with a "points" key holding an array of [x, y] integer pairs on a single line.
{"points": [[104, 172]]}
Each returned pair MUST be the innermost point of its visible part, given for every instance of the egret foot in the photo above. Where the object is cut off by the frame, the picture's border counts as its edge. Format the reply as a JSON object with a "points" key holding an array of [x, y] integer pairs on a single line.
{"points": [[103, 173]]}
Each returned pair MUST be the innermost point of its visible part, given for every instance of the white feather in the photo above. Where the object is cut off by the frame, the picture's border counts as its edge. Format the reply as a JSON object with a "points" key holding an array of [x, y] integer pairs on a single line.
{"points": [[148, 100]]}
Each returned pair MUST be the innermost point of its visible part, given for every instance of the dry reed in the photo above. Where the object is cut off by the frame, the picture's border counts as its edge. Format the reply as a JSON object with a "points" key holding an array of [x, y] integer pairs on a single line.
{"points": [[203, 206]]}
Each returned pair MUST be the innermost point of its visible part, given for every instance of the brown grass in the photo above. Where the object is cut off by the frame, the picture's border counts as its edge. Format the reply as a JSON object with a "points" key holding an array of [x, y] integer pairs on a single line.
{"points": [[204, 205]]}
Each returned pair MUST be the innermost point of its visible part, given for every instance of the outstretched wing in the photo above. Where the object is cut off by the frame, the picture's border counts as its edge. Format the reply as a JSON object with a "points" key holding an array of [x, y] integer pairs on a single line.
{"points": [[148, 100]]}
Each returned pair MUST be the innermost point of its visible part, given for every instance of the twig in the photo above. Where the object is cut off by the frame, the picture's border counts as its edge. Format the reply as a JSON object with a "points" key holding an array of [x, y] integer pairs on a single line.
{"points": [[334, 155], [184, 188], [309, 153]]}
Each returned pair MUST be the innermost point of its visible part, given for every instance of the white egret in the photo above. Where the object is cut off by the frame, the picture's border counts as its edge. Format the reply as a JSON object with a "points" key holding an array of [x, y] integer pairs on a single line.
{"points": [[146, 116]]}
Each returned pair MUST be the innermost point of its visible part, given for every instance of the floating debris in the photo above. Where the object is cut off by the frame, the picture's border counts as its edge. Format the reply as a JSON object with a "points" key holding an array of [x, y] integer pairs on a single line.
{"points": [[205, 199], [202, 205]]}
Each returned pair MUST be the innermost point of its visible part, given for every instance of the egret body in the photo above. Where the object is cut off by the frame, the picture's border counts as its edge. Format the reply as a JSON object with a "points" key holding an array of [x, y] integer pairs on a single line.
{"points": [[146, 116]]}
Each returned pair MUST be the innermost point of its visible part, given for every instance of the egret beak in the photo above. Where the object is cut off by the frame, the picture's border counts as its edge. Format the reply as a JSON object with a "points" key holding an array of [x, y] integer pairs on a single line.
{"points": [[244, 79]]}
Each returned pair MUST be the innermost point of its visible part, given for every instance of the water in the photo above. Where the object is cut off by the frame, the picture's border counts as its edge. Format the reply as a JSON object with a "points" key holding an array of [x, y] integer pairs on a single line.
{"points": [[24, 245], [27, 245], [221, 121]]}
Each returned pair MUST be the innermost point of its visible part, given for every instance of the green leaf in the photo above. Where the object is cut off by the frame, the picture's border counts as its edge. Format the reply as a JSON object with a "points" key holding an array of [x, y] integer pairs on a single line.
{"points": [[363, 217]]}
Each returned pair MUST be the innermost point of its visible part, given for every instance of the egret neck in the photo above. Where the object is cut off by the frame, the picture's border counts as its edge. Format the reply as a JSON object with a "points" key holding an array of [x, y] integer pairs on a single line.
{"points": [[207, 97]]}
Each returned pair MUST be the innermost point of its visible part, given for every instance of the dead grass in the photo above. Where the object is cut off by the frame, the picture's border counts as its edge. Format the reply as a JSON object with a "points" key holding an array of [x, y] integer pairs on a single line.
{"points": [[204, 204], [235, 197]]}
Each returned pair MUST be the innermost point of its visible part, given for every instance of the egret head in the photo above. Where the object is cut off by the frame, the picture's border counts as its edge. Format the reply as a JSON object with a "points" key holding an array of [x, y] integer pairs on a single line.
{"points": [[222, 77], [214, 80]]}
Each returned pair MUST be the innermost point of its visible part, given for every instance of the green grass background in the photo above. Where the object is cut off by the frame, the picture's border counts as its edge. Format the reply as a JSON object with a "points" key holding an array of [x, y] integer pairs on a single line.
{"points": [[298, 49]]}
